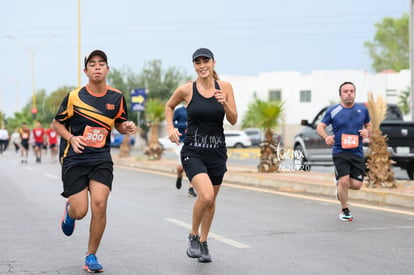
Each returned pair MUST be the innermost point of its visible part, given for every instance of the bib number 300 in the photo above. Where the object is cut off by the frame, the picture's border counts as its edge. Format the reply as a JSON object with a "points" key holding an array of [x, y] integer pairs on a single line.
{"points": [[95, 136]]}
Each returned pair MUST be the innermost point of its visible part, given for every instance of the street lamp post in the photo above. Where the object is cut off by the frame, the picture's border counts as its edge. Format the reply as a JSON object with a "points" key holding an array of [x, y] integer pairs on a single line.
{"points": [[32, 52]]}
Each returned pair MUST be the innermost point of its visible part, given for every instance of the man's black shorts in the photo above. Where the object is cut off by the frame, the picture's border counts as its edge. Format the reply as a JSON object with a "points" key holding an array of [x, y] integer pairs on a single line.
{"points": [[25, 144], [201, 160], [76, 178], [349, 164]]}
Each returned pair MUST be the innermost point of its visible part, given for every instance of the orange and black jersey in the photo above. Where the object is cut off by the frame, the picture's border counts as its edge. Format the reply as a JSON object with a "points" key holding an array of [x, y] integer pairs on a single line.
{"points": [[24, 134], [91, 116]]}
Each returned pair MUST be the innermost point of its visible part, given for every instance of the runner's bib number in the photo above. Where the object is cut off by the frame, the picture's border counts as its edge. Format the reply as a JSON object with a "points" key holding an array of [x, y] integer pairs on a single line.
{"points": [[349, 141], [95, 136]]}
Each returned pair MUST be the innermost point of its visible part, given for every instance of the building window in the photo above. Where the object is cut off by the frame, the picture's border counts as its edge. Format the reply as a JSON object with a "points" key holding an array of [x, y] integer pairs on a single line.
{"points": [[275, 95], [391, 92], [305, 96]]}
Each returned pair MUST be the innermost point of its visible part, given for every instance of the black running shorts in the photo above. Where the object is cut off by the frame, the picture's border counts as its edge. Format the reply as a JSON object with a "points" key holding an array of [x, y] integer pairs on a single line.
{"points": [[25, 144], [349, 164], [76, 178], [201, 160]]}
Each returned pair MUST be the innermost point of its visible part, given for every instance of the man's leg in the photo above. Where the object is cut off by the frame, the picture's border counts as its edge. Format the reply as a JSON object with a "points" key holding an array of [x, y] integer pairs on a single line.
{"points": [[76, 208], [99, 197], [78, 205], [343, 184]]}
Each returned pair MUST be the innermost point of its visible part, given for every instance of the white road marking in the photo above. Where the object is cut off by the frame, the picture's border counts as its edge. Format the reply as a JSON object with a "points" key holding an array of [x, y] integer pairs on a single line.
{"points": [[385, 228], [211, 235]]}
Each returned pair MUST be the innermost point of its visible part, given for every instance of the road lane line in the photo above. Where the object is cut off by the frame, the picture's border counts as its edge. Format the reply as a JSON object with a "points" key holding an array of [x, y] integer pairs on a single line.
{"points": [[211, 235], [385, 228]]}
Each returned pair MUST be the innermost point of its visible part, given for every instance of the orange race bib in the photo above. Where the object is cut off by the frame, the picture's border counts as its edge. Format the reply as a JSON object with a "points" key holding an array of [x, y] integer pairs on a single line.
{"points": [[95, 136], [349, 141]]}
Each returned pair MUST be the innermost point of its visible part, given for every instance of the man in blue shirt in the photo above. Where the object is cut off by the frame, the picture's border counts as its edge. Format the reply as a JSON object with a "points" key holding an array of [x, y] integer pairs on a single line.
{"points": [[180, 122], [350, 124]]}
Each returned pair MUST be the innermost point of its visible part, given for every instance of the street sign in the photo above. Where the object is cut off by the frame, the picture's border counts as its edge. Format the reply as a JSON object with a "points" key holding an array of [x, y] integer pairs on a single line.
{"points": [[138, 98]]}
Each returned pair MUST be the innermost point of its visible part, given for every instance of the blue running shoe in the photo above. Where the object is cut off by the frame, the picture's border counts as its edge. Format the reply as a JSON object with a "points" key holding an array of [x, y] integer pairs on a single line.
{"points": [[346, 215], [92, 265], [67, 223]]}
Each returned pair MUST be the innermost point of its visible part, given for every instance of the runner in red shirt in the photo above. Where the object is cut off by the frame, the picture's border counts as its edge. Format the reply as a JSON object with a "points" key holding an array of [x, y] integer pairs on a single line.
{"points": [[39, 139], [52, 141]]}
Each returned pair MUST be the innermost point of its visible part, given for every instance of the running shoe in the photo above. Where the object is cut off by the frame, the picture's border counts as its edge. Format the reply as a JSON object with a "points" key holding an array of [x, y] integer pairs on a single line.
{"points": [[346, 215], [193, 249], [67, 223], [178, 182], [92, 265], [191, 192], [205, 254]]}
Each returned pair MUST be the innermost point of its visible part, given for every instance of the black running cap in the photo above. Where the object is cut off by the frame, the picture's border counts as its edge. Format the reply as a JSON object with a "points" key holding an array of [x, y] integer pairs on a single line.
{"points": [[203, 52], [93, 53]]}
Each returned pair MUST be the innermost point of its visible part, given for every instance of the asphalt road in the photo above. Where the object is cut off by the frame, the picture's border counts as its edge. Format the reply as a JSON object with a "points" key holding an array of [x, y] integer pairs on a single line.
{"points": [[254, 232]]}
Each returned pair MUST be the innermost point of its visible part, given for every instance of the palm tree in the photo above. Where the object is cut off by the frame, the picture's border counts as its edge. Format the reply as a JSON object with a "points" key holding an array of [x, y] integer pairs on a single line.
{"points": [[379, 164], [404, 101], [265, 115], [154, 113]]}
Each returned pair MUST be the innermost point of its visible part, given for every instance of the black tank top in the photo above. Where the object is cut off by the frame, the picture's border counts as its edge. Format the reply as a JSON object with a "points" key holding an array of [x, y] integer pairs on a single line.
{"points": [[205, 121]]}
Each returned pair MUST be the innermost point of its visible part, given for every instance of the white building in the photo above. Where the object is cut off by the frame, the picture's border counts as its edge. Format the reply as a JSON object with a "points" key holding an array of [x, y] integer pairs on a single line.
{"points": [[305, 94]]}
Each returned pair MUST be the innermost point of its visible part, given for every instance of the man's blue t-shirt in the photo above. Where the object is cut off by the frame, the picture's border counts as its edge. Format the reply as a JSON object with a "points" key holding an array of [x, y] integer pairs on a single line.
{"points": [[347, 122], [180, 121]]}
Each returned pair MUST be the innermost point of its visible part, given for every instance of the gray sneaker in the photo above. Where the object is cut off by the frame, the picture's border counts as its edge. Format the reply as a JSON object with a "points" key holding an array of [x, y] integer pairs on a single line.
{"points": [[205, 254], [193, 249]]}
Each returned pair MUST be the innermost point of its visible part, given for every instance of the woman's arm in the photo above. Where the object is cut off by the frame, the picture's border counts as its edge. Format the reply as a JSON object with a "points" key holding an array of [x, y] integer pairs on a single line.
{"points": [[226, 97]]}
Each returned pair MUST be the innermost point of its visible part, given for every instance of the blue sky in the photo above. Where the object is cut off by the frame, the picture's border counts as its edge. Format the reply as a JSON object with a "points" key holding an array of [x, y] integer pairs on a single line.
{"points": [[247, 37]]}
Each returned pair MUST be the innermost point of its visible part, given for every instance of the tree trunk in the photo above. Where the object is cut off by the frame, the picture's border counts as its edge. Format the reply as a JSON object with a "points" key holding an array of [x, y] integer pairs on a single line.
{"points": [[154, 149], [269, 161], [125, 148], [379, 164]]}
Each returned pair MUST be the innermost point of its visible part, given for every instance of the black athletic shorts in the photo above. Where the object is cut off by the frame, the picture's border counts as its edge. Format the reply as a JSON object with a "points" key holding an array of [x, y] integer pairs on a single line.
{"points": [[197, 160], [349, 164], [25, 144], [38, 144], [76, 178]]}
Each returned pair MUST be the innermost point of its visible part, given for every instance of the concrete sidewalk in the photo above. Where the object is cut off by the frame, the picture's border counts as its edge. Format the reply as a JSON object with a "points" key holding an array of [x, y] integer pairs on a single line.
{"points": [[296, 182]]}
